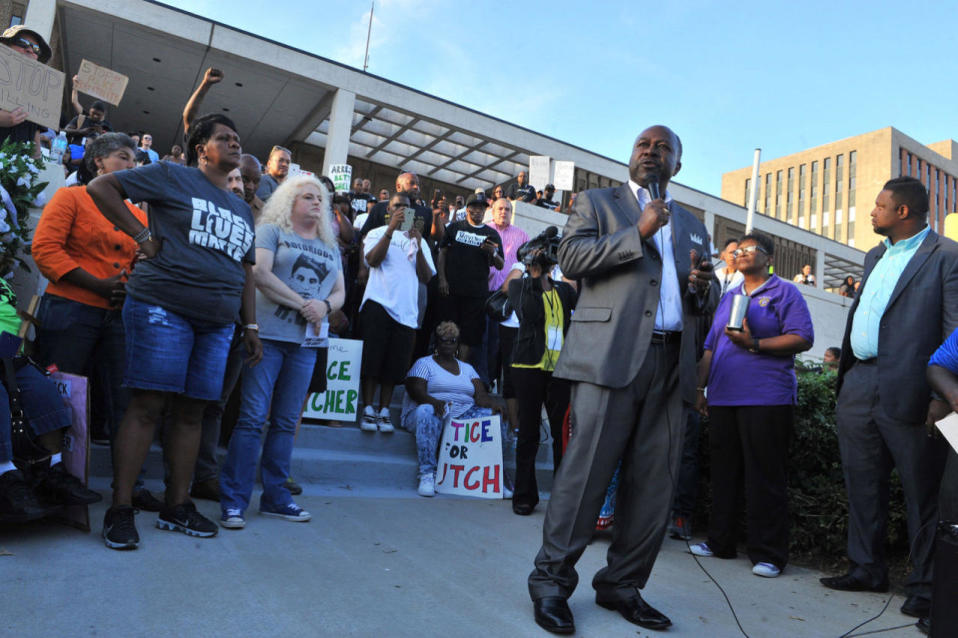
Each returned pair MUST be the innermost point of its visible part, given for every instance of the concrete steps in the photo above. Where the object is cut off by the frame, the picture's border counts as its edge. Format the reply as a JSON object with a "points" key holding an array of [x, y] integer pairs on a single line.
{"points": [[343, 457]]}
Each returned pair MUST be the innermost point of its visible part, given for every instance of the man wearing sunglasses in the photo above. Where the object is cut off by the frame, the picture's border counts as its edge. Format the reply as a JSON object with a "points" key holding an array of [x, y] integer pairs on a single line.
{"points": [[14, 124]]}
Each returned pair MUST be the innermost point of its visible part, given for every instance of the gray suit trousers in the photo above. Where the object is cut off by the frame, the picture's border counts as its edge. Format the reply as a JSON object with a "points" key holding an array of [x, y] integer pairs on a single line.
{"points": [[871, 444], [643, 425]]}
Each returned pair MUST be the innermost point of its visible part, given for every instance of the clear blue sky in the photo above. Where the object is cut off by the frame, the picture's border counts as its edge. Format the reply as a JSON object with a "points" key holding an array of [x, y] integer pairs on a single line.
{"points": [[727, 77]]}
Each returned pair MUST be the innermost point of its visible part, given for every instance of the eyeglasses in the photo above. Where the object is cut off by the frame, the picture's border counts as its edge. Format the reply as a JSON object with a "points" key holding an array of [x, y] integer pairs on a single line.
{"points": [[452, 340], [26, 44], [748, 249]]}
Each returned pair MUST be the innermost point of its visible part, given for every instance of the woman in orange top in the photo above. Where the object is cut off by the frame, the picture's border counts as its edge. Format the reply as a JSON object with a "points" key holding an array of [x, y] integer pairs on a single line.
{"points": [[86, 258]]}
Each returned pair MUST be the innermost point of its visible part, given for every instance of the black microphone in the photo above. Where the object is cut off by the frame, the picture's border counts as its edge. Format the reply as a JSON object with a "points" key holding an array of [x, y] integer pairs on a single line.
{"points": [[550, 232], [653, 186]]}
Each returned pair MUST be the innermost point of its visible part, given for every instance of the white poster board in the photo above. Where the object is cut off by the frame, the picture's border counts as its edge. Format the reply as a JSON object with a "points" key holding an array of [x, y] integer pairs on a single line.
{"points": [[539, 171], [470, 458], [565, 172], [342, 176], [34, 87], [340, 401], [101, 82]]}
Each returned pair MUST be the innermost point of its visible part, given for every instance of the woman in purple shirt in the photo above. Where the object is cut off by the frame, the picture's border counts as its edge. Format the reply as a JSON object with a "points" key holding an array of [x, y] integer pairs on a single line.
{"points": [[752, 391]]}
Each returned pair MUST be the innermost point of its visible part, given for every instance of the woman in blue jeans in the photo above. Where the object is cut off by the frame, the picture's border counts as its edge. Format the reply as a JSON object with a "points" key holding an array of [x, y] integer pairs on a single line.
{"points": [[299, 281]]}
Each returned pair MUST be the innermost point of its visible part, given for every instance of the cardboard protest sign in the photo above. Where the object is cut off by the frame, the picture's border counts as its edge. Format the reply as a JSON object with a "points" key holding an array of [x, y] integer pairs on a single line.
{"points": [[32, 86], [565, 172], [470, 458], [539, 171], [101, 82], [74, 390], [340, 400], [342, 176]]}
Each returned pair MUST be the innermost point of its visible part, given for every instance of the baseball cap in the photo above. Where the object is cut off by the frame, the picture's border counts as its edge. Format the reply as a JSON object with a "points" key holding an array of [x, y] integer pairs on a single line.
{"points": [[477, 199]]}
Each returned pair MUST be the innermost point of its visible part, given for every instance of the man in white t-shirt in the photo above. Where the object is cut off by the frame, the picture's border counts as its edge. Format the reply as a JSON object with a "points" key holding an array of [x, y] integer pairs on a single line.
{"points": [[389, 313], [727, 276]]}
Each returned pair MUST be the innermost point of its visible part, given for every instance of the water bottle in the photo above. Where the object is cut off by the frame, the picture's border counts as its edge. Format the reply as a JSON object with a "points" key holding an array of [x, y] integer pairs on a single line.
{"points": [[59, 148]]}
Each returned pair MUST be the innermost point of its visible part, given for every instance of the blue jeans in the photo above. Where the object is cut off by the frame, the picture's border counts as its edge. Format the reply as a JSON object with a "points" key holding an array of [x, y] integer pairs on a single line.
{"points": [[275, 388], [41, 403], [428, 429]]}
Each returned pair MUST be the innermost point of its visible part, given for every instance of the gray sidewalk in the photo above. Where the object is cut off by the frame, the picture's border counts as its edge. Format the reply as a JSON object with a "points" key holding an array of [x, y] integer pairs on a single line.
{"points": [[377, 563]]}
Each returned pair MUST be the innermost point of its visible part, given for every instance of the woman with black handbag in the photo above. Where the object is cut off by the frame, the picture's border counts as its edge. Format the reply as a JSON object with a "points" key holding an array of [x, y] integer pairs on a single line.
{"points": [[544, 307]]}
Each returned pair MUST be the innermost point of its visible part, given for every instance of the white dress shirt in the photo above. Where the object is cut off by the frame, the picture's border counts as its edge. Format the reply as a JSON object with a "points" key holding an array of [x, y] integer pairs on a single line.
{"points": [[668, 316], [727, 281]]}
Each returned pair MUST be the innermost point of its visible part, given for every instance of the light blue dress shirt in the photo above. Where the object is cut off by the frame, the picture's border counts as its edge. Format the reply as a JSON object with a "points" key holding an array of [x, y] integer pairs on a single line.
{"points": [[668, 316], [877, 291]]}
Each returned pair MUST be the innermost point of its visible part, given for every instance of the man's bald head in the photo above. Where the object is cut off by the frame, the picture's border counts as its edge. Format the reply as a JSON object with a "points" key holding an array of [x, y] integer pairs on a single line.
{"points": [[656, 154], [251, 171], [408, 183]]}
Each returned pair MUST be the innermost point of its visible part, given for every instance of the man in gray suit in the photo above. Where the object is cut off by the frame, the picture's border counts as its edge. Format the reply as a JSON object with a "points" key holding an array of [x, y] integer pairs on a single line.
{"points": [[906, 306], [642, 263]]}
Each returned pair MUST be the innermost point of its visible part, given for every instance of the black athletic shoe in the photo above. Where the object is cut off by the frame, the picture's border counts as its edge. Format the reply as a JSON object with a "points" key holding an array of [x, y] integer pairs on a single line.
{"points": [[144, 501], [18, 502], [184, 518], [58, 486], [119, 529]]}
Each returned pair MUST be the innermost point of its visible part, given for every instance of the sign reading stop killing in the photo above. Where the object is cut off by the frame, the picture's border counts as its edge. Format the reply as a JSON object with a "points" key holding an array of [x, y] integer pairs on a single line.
{"points": [[32, 86], [470, 458]]}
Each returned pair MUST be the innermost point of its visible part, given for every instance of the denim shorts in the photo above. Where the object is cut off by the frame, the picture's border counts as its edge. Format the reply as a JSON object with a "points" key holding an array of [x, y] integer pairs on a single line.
{"points": [[171, 353]]}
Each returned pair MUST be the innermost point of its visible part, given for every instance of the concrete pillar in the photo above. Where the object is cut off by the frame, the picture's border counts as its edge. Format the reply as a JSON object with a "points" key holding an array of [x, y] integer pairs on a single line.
{"points": [[340, 127], [40, 15], [710, 226], [820, 265]]}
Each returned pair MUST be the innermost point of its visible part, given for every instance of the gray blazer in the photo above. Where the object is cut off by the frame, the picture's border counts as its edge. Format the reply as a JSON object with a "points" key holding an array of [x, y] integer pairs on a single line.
{"points": [[921, 313], [619, 277]]}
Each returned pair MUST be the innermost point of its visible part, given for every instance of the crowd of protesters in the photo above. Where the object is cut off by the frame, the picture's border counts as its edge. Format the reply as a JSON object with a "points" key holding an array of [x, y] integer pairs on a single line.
{"points": [[174, 282]]}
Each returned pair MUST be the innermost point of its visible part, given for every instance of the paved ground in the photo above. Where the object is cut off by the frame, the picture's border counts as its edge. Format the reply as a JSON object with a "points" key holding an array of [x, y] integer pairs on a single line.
{"points": [[377, 563]]}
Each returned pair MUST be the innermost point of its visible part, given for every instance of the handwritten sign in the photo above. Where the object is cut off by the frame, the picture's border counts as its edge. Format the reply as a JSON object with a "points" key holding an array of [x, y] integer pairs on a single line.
{"points": [[342, 175], [539, 171], [340, 400], [470, 458], [565, 172], [34, 87], [101, 82]]}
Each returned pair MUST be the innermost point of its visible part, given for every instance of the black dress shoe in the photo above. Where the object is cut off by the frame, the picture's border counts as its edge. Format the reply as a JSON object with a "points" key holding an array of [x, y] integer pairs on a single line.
{"points": [[552, 613], [916, 607], [522, 509], [636, 611], [849, 582]]}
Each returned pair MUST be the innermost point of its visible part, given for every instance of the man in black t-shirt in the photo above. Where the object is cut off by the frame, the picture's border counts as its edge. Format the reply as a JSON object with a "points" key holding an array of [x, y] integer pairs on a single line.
{"points": [[467, 249], [546, 200], [407, 184], [521, 189]]}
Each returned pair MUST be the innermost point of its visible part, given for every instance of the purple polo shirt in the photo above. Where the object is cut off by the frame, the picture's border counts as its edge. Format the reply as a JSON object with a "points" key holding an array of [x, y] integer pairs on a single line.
{"points": [[740, 377]]}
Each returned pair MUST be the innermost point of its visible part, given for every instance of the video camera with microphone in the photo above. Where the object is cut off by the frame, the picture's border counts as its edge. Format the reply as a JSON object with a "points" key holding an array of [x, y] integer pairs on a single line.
{"points": [[542, 250]]}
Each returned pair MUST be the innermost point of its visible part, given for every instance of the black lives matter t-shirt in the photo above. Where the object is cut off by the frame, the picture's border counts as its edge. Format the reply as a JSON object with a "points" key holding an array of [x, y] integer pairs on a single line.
{"points": [[205, 235], [467, 265], [379, 216]]}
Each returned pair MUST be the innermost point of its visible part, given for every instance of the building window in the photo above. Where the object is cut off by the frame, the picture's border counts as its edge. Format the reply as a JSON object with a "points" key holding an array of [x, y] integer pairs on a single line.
{"points": [[826, 185], [839, 181], [778, 194], [801, 196], [789, 195], [933, 176], [748, 182], [852, 167], [813, 199], [825, 219], [768, 194], [838, 226]]}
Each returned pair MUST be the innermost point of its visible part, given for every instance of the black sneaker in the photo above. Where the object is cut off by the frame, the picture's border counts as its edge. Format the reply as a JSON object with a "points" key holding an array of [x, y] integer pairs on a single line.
{"points": [[119, 529], [18, 502], [57, 485], [144, 501], [184, 518]]}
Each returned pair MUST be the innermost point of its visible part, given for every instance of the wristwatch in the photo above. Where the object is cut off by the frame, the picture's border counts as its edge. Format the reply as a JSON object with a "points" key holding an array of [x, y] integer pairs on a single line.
{"points": [[329, 308], [754, 346], [251, 326]]}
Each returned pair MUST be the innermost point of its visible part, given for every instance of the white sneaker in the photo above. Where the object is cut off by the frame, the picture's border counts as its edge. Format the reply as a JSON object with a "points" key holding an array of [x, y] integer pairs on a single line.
{"points": [[766, 570], [427, 485], [370, 421], [506, 493], [385, 421], [701, 549]]}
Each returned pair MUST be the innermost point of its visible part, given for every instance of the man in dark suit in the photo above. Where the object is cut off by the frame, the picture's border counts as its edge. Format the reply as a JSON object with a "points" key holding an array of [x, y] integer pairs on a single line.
{"points": [[906, 306], [630, 352]]}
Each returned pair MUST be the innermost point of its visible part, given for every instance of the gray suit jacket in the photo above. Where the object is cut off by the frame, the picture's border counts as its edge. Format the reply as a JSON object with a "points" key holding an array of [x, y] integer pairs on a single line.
{"points": [[619, 277], [921, 313]]}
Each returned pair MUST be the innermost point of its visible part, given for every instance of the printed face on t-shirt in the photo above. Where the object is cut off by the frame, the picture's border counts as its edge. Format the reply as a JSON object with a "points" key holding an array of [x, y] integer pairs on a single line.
{"points": [[219, 229]]}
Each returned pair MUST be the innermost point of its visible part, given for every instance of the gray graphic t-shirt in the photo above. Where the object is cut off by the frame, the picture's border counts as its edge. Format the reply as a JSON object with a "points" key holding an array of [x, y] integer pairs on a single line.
{"points": [[308, 266], [205, 235]]}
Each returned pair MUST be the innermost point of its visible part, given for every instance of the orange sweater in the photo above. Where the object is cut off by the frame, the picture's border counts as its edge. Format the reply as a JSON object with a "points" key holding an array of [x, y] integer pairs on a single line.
{"points": [[73, 233]]}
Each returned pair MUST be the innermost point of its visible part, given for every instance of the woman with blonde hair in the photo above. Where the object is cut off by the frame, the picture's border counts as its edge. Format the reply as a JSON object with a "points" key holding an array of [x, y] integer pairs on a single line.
{"points": [[299, 282]]}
